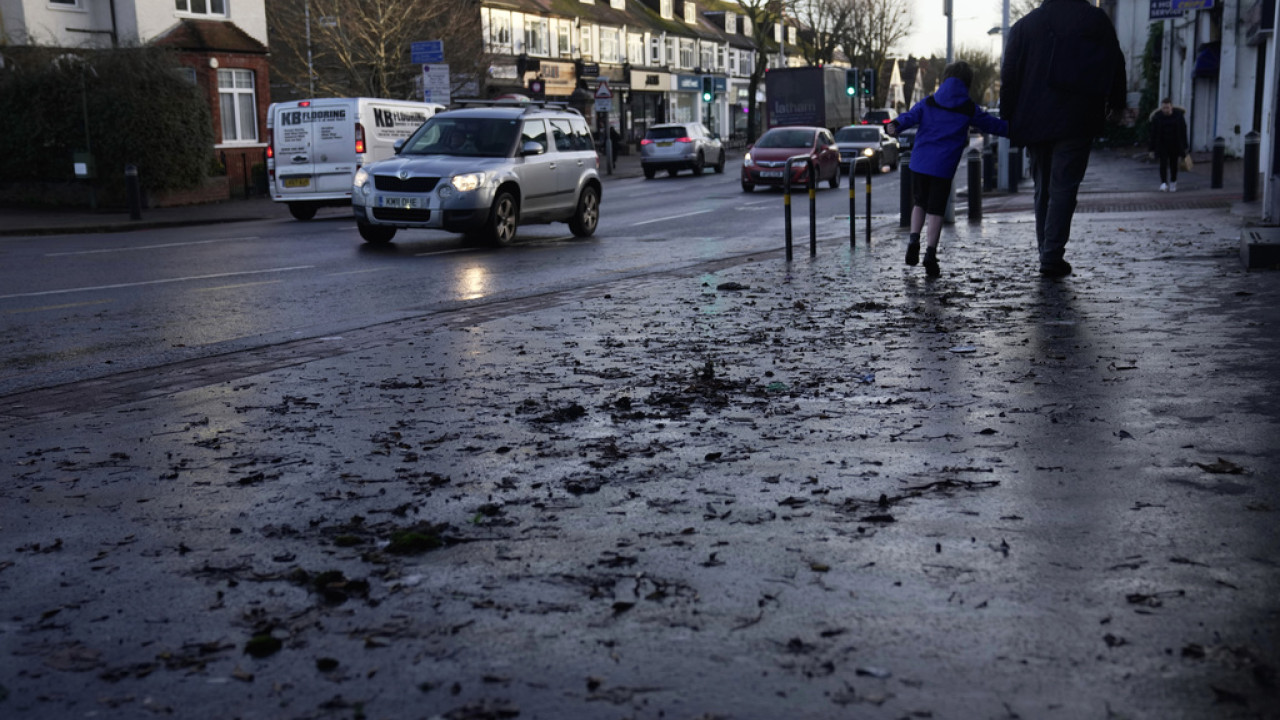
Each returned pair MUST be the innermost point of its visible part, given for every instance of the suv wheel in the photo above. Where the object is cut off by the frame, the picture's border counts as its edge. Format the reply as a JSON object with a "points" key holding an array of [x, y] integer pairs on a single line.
{"points": [[584, 221], [500, 228], [719, 167], [649, 173], [699, 163], [376, 234]]}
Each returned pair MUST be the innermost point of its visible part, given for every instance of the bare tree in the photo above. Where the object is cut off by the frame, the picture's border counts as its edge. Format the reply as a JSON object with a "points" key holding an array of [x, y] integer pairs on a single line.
{"points": [[875, 27], [362, 47], [1018, 8], [824, 22], [986, 71], [764, 16]]}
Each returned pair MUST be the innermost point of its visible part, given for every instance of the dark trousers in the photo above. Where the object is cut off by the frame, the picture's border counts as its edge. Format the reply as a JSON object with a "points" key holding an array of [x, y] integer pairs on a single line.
{"points": [[1169, 167], [1057, 167]]}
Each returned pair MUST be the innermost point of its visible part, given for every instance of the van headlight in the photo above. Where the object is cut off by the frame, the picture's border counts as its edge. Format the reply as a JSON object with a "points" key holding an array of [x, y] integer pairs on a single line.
{"points": [[361, 181], [467, 182]]}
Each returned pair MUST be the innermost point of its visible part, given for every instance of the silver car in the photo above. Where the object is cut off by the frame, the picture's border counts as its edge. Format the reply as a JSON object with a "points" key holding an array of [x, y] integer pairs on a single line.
{"points": [[867, 141], [680, 146], [483, 171]]}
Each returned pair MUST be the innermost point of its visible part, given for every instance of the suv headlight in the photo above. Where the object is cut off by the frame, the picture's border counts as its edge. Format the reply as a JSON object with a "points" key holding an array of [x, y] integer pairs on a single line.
{"points": [[361, 181], [467, 182], [869, 152]]}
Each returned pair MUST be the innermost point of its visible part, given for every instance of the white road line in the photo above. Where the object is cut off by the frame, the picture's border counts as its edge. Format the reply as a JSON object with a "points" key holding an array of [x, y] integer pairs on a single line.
{"points": [[442, 252], [673, 217], [358, 272], [146, 247], [144, 283]]}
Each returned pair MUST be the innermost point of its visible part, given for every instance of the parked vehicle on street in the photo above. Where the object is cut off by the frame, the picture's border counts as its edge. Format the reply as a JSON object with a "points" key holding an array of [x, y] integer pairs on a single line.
{"points": [[867, 141], [315, 147], [679, 146], [881, 116], [482, 170], [766, 161]]}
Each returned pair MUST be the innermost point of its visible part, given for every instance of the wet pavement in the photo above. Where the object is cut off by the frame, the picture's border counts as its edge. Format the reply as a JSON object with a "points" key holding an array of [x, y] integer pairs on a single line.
{"points": [[748, 489]]}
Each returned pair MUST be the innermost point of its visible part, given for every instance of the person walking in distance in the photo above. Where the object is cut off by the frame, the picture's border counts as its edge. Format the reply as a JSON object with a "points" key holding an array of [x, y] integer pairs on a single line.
{"points": [[1168, 142], [1063, 73], [944, 119]]}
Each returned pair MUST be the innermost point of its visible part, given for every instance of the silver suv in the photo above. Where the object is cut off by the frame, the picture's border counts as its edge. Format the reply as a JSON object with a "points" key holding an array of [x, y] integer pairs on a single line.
{"points": [[482, 170], [680, 146]]}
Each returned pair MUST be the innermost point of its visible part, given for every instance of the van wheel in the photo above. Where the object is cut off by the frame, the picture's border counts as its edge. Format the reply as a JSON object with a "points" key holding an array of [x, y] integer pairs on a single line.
{"points": [[500, 228], [302, 211], [376, 234], [584, 221]]}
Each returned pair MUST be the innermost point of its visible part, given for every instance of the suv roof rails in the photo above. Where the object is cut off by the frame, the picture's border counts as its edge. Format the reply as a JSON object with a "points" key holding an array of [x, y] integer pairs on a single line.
{"points": [[513, 103]]}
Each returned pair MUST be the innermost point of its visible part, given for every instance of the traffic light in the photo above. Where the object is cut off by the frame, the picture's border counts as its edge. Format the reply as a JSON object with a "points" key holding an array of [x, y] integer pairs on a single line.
{"points": [[708, 89], [851, 82], [868, 82]]}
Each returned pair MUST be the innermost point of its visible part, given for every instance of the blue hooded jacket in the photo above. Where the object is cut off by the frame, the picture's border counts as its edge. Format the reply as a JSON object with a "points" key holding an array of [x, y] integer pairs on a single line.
{"points": [[944, 119]]}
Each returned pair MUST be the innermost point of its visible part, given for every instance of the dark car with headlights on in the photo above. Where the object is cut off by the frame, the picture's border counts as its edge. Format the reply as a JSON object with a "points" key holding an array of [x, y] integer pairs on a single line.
{"points": [[482, 170], [766, 161], [870, 142]]}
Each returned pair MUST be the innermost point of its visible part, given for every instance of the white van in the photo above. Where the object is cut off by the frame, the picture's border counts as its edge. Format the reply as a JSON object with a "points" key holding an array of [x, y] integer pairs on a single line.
{"points": [[314, 147]]}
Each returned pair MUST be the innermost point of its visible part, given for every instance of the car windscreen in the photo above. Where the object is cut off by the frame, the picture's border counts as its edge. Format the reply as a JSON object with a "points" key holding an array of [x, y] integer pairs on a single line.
{"points": [[667, 133], [879, 116], [467, 137], [786, 139], [858, 135]]}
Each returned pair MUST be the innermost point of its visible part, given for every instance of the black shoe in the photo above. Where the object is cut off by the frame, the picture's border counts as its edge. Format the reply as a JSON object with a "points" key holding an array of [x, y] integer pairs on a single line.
{"points": [[1060, 269], [931, 263], [913, 253]]}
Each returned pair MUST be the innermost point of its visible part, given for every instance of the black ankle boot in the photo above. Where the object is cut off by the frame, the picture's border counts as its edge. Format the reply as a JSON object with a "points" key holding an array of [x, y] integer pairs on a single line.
{"points": [[931, 262]]}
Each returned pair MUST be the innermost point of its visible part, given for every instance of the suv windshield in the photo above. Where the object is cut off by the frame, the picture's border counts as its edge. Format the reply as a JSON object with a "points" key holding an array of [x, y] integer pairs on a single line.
{"points": [[668, 133], [786, 139], [470, 137], [867, 135]]}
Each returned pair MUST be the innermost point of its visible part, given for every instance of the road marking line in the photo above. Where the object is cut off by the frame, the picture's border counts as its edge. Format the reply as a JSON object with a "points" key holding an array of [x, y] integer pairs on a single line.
{"points": [[672, 217], [240, 285], [357, 272], [442, 252], [146, 247], [56, 307], [165, 281]]}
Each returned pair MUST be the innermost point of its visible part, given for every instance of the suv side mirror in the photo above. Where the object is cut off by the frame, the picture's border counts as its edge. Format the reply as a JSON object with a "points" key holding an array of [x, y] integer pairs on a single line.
{"points": [[532, 148]]}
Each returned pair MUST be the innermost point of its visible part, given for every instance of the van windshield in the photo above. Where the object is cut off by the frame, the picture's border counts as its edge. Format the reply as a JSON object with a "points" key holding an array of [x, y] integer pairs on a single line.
{"points": [[467, 137]]}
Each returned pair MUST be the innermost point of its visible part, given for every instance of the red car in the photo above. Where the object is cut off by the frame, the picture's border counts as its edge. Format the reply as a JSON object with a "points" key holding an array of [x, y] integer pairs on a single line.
{"points": [[766, 160]]}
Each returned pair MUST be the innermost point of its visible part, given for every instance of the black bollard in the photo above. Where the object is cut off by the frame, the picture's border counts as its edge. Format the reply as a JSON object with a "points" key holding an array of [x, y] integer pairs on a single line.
{"points": [[1252, 141], [133, 191], [1219, 156], [904, 190], [975, 185]]}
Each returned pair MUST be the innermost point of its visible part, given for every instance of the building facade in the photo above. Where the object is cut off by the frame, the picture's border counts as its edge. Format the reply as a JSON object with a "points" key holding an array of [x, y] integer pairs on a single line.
{"points": [[221, 45]]}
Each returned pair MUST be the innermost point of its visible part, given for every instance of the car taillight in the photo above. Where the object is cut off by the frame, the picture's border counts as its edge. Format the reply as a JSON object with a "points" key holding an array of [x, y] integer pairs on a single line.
{"points": [[684, 139], [885, 121], [359, 139], [646, 141]]}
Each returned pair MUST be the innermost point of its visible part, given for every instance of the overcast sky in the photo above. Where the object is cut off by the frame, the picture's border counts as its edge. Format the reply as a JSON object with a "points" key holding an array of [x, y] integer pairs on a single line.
{"points": [[973, 18]]}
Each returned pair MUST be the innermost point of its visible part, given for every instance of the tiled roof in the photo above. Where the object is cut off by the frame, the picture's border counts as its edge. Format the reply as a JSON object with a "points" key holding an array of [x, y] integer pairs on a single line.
{"points": [[213, 35]]}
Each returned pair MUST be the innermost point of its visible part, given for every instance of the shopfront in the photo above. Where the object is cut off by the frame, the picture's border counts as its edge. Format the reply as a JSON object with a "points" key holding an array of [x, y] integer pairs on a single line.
{"points": [[647, 105]]}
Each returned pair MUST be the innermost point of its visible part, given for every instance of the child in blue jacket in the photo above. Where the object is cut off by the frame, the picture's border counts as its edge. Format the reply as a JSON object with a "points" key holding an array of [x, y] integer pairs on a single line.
{"points": [[944, 119]]}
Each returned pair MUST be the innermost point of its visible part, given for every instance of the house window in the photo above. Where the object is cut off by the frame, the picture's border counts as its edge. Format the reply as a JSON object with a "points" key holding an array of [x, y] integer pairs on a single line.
{"points": [[618, 4], [536, 35], [690, 12], [239, 106], [707, 56], [747, 28], [202, 7], [635, 48], [730, 23], [585, 40], [499, 31], [686, 53], [733, 62], [665, 10], [66, 4], [563, 42], [720, 60], [655, 51], [609, 45], [671, 52]]}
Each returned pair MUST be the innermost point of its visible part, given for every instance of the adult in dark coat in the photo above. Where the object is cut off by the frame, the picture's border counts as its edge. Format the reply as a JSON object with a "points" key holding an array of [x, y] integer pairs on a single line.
{"points": [[1063, 72], [1168, 142]]}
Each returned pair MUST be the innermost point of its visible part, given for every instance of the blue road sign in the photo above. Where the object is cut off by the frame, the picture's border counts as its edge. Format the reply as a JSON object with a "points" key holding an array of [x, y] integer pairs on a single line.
{"points": [[427, 51]]}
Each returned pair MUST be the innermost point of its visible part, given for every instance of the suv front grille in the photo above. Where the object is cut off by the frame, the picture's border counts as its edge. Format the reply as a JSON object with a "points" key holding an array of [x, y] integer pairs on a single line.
{"points": [[401, 215], [391, 183]]}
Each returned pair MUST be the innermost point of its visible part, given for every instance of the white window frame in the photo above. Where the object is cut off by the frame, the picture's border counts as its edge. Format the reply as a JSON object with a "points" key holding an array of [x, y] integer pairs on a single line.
{"points": [[722, 62], [635, 48], [183, 7], [706, 56], [585, 37], [730, 23], [687, 55], [498, 32], [690, 13], [655, 51], [537, 35], [70, 5], [746, 26], [610, 45], [618, 4], [671, 52], [564, 38], [666, 8], [238, 95]]}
